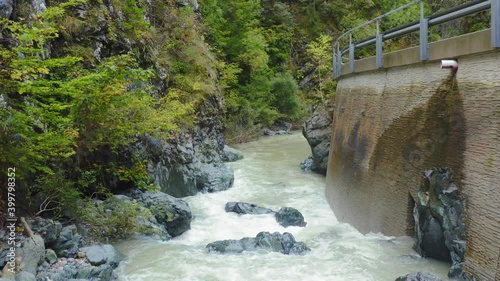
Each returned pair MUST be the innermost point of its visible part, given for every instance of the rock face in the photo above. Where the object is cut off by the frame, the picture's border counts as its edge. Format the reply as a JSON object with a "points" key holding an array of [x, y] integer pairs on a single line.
{"points": [[173, 213], [246, 208], [288, 216], [6, 8], [439, 220], [419, 276], [191, 161], [317, 131], [282, 243]]}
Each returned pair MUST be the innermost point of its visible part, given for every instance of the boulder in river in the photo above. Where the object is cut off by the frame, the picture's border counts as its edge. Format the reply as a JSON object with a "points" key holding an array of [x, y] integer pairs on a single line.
{"points": [[246, 208], [231, 154], [288, 216], [282, 243], [214, 177], [174, 213], [439, 220], [419, 276]]}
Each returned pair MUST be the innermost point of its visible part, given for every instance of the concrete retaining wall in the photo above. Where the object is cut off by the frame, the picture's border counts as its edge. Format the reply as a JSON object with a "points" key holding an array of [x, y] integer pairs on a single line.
{"points": [[392, 124]]}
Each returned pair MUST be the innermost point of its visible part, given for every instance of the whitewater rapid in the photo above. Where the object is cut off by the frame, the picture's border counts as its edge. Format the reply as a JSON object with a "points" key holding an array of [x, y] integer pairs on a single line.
{"points": [[269, 176]]}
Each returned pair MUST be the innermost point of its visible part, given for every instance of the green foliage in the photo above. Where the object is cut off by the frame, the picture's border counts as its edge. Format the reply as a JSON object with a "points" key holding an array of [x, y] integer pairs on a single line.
{"points": [[58, 115], [320, 52], [284, 90], [58, 194], [253, 40]]}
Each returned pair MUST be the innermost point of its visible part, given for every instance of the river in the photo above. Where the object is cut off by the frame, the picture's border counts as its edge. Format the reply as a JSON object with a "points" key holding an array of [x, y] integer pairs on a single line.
{"points": [[270, 176]]}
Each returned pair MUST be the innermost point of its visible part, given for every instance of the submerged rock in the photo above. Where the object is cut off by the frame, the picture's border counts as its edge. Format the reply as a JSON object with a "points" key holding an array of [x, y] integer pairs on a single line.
{"points": [[288, 216], [282, 243], [246, 208], [317, 131], [419, 276], [175, 214], [439, 220], [231, 154], [308, 164]]}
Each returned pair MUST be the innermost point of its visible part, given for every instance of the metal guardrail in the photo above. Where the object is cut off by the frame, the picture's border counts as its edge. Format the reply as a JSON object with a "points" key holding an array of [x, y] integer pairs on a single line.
{"points": [[421, 25]]}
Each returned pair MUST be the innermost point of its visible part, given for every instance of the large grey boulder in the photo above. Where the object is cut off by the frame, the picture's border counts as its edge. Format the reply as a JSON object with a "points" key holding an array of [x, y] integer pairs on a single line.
{"points": [[419, 276], [145, 220], [231, 154], [282, 243], [32, 252], [103, 254], [288, 216], [175, 214], [214, 177], [439, 220], [317, 131], [246, 208]]}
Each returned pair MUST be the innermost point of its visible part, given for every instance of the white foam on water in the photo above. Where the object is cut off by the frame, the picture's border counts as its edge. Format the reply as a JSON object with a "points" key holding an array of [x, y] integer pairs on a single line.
{"points": [[269, 176]]}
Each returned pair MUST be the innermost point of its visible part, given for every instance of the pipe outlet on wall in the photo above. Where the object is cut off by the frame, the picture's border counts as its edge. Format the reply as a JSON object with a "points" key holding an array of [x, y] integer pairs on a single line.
{"points": [[453, 64]]}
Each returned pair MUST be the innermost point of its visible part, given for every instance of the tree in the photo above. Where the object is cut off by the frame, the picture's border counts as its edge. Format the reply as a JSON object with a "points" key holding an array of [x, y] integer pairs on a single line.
{"points": [[320, 52]]}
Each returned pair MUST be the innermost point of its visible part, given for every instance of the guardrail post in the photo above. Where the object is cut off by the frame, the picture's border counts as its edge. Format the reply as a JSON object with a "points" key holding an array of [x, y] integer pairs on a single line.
{"points": [[351, 54], [335, 67], [339, 64], [378, 47], [495, 23], [424, 34]]}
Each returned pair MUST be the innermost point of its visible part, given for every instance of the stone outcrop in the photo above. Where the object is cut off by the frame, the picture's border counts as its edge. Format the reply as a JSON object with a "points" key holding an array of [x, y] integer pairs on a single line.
{"points": [[175, 214], [317, 131], [439, 220], [282, 243], [190, 162], [419, 276]]}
